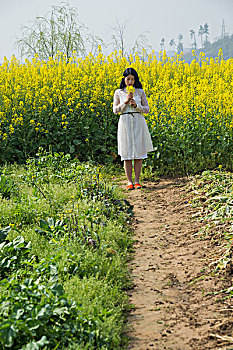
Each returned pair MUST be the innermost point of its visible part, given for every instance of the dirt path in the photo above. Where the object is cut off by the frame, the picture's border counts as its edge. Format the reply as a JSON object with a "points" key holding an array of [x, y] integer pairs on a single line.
{"points": [[171, 310]]}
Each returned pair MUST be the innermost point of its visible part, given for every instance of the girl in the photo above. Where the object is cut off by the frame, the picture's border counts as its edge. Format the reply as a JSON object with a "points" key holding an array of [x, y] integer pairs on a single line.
{"points": [[134, 139]]}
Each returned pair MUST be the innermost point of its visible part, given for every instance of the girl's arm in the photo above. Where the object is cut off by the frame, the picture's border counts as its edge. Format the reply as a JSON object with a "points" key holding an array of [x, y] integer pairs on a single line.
{"points": [[117, 106], [143, 107]]}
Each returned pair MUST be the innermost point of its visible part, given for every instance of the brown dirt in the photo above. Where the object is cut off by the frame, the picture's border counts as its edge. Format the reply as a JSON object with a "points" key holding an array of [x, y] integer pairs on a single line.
{"points": [[172, 310]]}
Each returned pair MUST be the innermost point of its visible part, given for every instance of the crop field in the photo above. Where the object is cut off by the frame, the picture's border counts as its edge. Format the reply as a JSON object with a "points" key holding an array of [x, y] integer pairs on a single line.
{"points": [[65, 234], [68, 105]]}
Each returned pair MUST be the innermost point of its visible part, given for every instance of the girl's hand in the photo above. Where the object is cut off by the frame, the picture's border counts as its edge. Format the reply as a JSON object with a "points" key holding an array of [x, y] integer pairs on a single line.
{"points": [[133, 103], [129, 98]]}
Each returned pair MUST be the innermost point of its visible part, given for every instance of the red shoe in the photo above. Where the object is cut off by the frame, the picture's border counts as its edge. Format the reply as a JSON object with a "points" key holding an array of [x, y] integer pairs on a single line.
{"points": [[137, 186], [129, 187]]}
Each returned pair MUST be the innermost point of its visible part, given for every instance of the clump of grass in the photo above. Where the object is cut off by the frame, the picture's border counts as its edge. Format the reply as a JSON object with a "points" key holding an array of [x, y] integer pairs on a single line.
{"points": [[212, 193]]}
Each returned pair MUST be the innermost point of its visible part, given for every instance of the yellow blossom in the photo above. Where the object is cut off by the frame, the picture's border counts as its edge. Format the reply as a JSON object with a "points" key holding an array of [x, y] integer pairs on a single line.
{"points": [[129, 89]]}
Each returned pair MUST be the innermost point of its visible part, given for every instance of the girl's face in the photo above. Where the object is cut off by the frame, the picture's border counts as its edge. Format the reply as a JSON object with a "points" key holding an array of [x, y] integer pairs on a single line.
{"points": [[129, 80]]}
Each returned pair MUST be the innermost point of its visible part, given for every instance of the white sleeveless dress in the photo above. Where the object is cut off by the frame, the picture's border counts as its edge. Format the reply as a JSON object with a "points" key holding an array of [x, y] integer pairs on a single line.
{"points": [[134, 140]]}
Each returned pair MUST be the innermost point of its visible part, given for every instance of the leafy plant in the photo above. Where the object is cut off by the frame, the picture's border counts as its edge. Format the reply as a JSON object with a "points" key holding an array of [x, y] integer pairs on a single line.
{"points": [[13, 255], [51, 227], [4, 233], [7, 186], [40, 314], [78, 233]]}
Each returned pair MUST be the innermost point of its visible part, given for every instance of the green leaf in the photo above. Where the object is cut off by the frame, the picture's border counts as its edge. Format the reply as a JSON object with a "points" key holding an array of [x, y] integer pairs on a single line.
{"points": [[57, 289], [60, 310], [72, 149], [18, 242], [8, 336], [76, 142], [51, 222], [43, 341], [42, 312], [4, 232], [19, 313], [36, 345], [44, 225]]}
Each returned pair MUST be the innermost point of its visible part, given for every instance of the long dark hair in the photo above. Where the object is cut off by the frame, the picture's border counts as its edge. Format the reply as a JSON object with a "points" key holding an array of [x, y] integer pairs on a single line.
{"points": [[128, 71]]}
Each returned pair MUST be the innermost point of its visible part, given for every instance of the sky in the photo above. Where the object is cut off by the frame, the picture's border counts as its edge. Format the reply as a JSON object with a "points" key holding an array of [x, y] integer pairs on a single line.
{"points": [[157, 19]]}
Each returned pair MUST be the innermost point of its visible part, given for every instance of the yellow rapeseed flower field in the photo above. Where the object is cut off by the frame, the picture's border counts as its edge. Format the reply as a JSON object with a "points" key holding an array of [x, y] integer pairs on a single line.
{"points": [[64, 104]]}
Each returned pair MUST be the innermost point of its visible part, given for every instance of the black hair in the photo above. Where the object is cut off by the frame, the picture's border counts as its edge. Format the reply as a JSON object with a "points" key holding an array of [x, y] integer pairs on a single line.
{"points": [[128, 71]]}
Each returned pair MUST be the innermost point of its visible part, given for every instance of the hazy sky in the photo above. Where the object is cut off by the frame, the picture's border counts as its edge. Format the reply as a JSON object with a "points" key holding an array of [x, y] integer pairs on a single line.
{"points": [[159, 18]]}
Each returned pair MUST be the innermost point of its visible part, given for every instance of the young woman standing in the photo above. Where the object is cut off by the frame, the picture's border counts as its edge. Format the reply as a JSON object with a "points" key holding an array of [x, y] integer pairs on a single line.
{"points": [[134, 140]]}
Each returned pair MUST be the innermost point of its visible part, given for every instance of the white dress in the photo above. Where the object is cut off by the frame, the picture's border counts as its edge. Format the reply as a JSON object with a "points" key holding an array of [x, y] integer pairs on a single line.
{"points": [[134, 140]]}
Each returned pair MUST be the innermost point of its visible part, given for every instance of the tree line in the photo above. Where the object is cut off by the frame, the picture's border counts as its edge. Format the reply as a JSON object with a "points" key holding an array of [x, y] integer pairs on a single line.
{"points": [[179, 46], [61, 30], [225, 42]]}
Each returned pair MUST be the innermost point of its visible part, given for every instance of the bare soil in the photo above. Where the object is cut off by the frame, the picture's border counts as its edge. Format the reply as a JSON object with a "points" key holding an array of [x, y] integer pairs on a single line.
{"points": [[172, 307]]}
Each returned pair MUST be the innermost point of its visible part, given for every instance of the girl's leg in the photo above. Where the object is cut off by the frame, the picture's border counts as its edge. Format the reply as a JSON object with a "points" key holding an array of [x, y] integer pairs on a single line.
{"points": [[137, 169], [128, 171]]}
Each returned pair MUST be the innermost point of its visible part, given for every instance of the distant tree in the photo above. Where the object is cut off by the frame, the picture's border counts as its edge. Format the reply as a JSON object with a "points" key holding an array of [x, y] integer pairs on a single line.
{"points": [[162, 44], [180, 46], [180, 37], [141, 44], [119, 37], [59, 30], [206, 31], [172, 44], [223, 29], [212, 49], [193, 37], [119, 41], [200, 33], [226, 44]]}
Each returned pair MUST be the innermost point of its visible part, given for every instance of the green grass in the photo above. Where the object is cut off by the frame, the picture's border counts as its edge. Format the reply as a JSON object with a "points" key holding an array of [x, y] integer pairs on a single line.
{"points": [[80, 242]]}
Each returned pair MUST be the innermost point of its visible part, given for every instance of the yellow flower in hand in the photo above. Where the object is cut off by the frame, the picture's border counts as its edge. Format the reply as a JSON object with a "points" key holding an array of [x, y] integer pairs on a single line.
{"points": [[129, 89]]}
